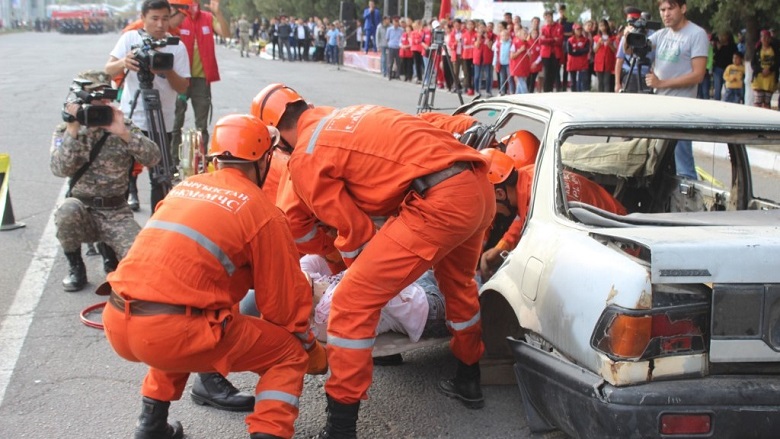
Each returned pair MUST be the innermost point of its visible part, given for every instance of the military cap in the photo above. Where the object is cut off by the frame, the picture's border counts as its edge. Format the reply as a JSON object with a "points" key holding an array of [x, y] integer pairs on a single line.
{"points": [[97, 77]]}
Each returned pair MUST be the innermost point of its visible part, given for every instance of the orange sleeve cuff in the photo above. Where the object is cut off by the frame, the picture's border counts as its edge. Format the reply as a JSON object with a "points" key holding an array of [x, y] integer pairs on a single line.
{"points": [[503, 245]]}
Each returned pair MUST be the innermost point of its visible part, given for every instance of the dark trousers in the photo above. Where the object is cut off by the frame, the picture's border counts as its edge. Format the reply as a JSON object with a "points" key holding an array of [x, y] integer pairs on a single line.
{"points": [[157, 190], [393, 59], [551, 71]]}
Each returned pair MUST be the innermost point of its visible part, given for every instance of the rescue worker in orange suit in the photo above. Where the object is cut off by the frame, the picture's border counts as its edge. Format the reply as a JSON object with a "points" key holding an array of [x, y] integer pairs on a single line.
{"points": [[218, 235], [279, 188], [512, 173], [351, 164]]}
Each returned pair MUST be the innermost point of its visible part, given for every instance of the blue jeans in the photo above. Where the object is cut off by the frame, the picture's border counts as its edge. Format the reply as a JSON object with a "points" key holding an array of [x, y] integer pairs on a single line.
{"points": [[383, 60], [704, 86], [734, 95], [521, 87], [578, 79], [480, 72], [331, 54], [683, 159], [717, 82]]}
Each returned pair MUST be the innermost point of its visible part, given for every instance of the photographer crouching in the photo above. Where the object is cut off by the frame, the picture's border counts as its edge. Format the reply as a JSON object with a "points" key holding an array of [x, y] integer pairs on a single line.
{"points": [[94, 148], [161, 64]]}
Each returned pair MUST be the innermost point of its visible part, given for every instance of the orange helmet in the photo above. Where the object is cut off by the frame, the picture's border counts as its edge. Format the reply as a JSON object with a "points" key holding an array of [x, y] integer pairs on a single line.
{"points": [[522, 147], [243, 137], [183, 6], [501, 165], [272, 101]]}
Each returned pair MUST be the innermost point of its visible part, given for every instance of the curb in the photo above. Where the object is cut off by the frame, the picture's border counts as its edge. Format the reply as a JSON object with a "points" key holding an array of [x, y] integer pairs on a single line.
{"points": [[759, 158]]}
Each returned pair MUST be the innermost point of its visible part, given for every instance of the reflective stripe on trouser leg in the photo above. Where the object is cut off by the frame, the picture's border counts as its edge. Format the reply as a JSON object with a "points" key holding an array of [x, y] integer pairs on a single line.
{"points": [[455, 276]]}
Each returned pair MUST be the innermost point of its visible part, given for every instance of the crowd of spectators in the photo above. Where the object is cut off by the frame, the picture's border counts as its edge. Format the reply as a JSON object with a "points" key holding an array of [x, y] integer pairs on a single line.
{"points": [[539, 55]]}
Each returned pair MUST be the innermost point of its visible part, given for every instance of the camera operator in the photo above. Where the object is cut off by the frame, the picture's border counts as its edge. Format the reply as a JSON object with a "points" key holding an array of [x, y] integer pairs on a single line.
{"points": [[155, 15], [96, 159], [626, 79], [681, 51]]}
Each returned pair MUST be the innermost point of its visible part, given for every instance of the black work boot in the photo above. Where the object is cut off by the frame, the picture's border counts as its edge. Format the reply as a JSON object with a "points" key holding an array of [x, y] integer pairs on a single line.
{"points": [[342, 421], [109, 257], [263, 436], [153, 422], [215, 390], [465, 386], [132, 194], [77, 274]]}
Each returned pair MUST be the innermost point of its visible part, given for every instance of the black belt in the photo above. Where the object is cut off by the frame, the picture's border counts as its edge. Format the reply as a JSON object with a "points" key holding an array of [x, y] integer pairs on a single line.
{"points": [[144, 308], [422, 184], [103, 202]]}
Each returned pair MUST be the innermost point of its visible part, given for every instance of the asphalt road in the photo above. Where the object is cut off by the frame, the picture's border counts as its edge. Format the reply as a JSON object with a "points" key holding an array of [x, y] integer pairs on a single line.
{"points": [[59, 378]]}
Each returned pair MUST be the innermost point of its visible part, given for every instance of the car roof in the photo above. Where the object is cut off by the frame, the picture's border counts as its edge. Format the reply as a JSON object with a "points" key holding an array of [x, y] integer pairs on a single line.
{"points": [[643, 109]]}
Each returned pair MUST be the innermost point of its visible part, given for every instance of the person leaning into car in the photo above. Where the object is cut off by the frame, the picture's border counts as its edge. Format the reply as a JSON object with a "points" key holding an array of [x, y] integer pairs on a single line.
{"points": [[512, 173], [679, 65]]}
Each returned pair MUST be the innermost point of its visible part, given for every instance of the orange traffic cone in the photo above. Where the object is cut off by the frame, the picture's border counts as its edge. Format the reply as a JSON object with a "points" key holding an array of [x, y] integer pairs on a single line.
{"points": [[9, 222]]}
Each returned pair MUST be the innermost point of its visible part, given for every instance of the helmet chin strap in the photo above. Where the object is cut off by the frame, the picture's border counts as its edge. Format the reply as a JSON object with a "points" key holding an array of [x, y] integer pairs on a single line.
{"points": [[261, 181], [284, 145]]}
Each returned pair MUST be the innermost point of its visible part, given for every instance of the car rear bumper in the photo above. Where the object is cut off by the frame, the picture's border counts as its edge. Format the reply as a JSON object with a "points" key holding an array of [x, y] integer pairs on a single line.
{"points": [[583, 405]]}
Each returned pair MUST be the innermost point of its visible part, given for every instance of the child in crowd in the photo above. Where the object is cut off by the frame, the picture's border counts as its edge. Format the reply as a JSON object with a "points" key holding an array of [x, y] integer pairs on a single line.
{"points": [[520, 63], [503, 48], [734, 78], [578, 48]]}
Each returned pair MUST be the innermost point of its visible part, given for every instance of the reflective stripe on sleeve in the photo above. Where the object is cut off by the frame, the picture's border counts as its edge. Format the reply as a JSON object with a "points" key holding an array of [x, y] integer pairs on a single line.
{"points": [[353, 254], [198, 237], [463, 325], [316, 134], [307, 237], [276, 395], [365, 343]]}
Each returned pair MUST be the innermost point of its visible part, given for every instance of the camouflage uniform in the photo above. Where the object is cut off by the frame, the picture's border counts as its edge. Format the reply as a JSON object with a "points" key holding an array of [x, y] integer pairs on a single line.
{"points": [[243, 35], [92, 212]]}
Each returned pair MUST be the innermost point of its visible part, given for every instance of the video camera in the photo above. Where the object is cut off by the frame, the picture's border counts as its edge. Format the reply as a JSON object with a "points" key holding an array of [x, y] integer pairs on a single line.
{"points": [[90, 115], [148, 58], [438, 36]]}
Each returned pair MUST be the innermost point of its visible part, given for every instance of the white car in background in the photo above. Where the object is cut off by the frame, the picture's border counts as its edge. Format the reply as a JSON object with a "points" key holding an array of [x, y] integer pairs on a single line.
{"points": [[664, 322]]}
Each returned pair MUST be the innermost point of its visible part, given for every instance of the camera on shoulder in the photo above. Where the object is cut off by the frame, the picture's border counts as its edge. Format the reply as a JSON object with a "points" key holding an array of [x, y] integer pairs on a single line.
{"points": [[88, 114], [149, 58]]}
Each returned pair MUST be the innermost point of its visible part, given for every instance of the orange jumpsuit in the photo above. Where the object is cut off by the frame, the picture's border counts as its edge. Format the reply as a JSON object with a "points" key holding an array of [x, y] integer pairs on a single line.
{"points": [[276, 171], [456, 124], [578, 188], [212, 238], [359, 162]]}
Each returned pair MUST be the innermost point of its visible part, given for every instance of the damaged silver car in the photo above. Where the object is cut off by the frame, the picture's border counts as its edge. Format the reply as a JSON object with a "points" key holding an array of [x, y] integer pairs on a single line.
{"points": [[664, 322]]}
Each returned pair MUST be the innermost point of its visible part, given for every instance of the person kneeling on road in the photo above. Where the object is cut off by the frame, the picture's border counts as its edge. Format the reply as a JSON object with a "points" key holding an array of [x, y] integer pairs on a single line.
{"points": [[217, 235], [95, 159]]}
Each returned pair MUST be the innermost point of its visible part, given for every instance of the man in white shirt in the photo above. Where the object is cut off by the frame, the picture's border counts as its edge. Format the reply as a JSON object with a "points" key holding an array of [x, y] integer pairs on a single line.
{"points": [[155, 15]]}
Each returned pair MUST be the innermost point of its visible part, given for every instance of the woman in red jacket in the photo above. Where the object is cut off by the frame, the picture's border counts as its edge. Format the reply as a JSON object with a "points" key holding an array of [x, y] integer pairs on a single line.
{"points": [[417, 39], [405, 53], [605, 50]]}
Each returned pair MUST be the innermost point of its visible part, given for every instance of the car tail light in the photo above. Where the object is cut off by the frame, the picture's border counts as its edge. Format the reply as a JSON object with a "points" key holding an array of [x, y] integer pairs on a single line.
{"points": [[685, 423], [624, 334]]}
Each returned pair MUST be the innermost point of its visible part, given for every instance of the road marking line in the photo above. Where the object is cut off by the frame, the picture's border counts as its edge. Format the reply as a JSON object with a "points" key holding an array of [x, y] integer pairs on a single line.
{"points": [[20, 315]]}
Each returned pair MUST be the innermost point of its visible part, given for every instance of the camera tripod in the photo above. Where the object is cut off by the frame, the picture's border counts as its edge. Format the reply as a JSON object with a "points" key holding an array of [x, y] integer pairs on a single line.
{"points": [[161, 174], [635, 72], [438, 52]]}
